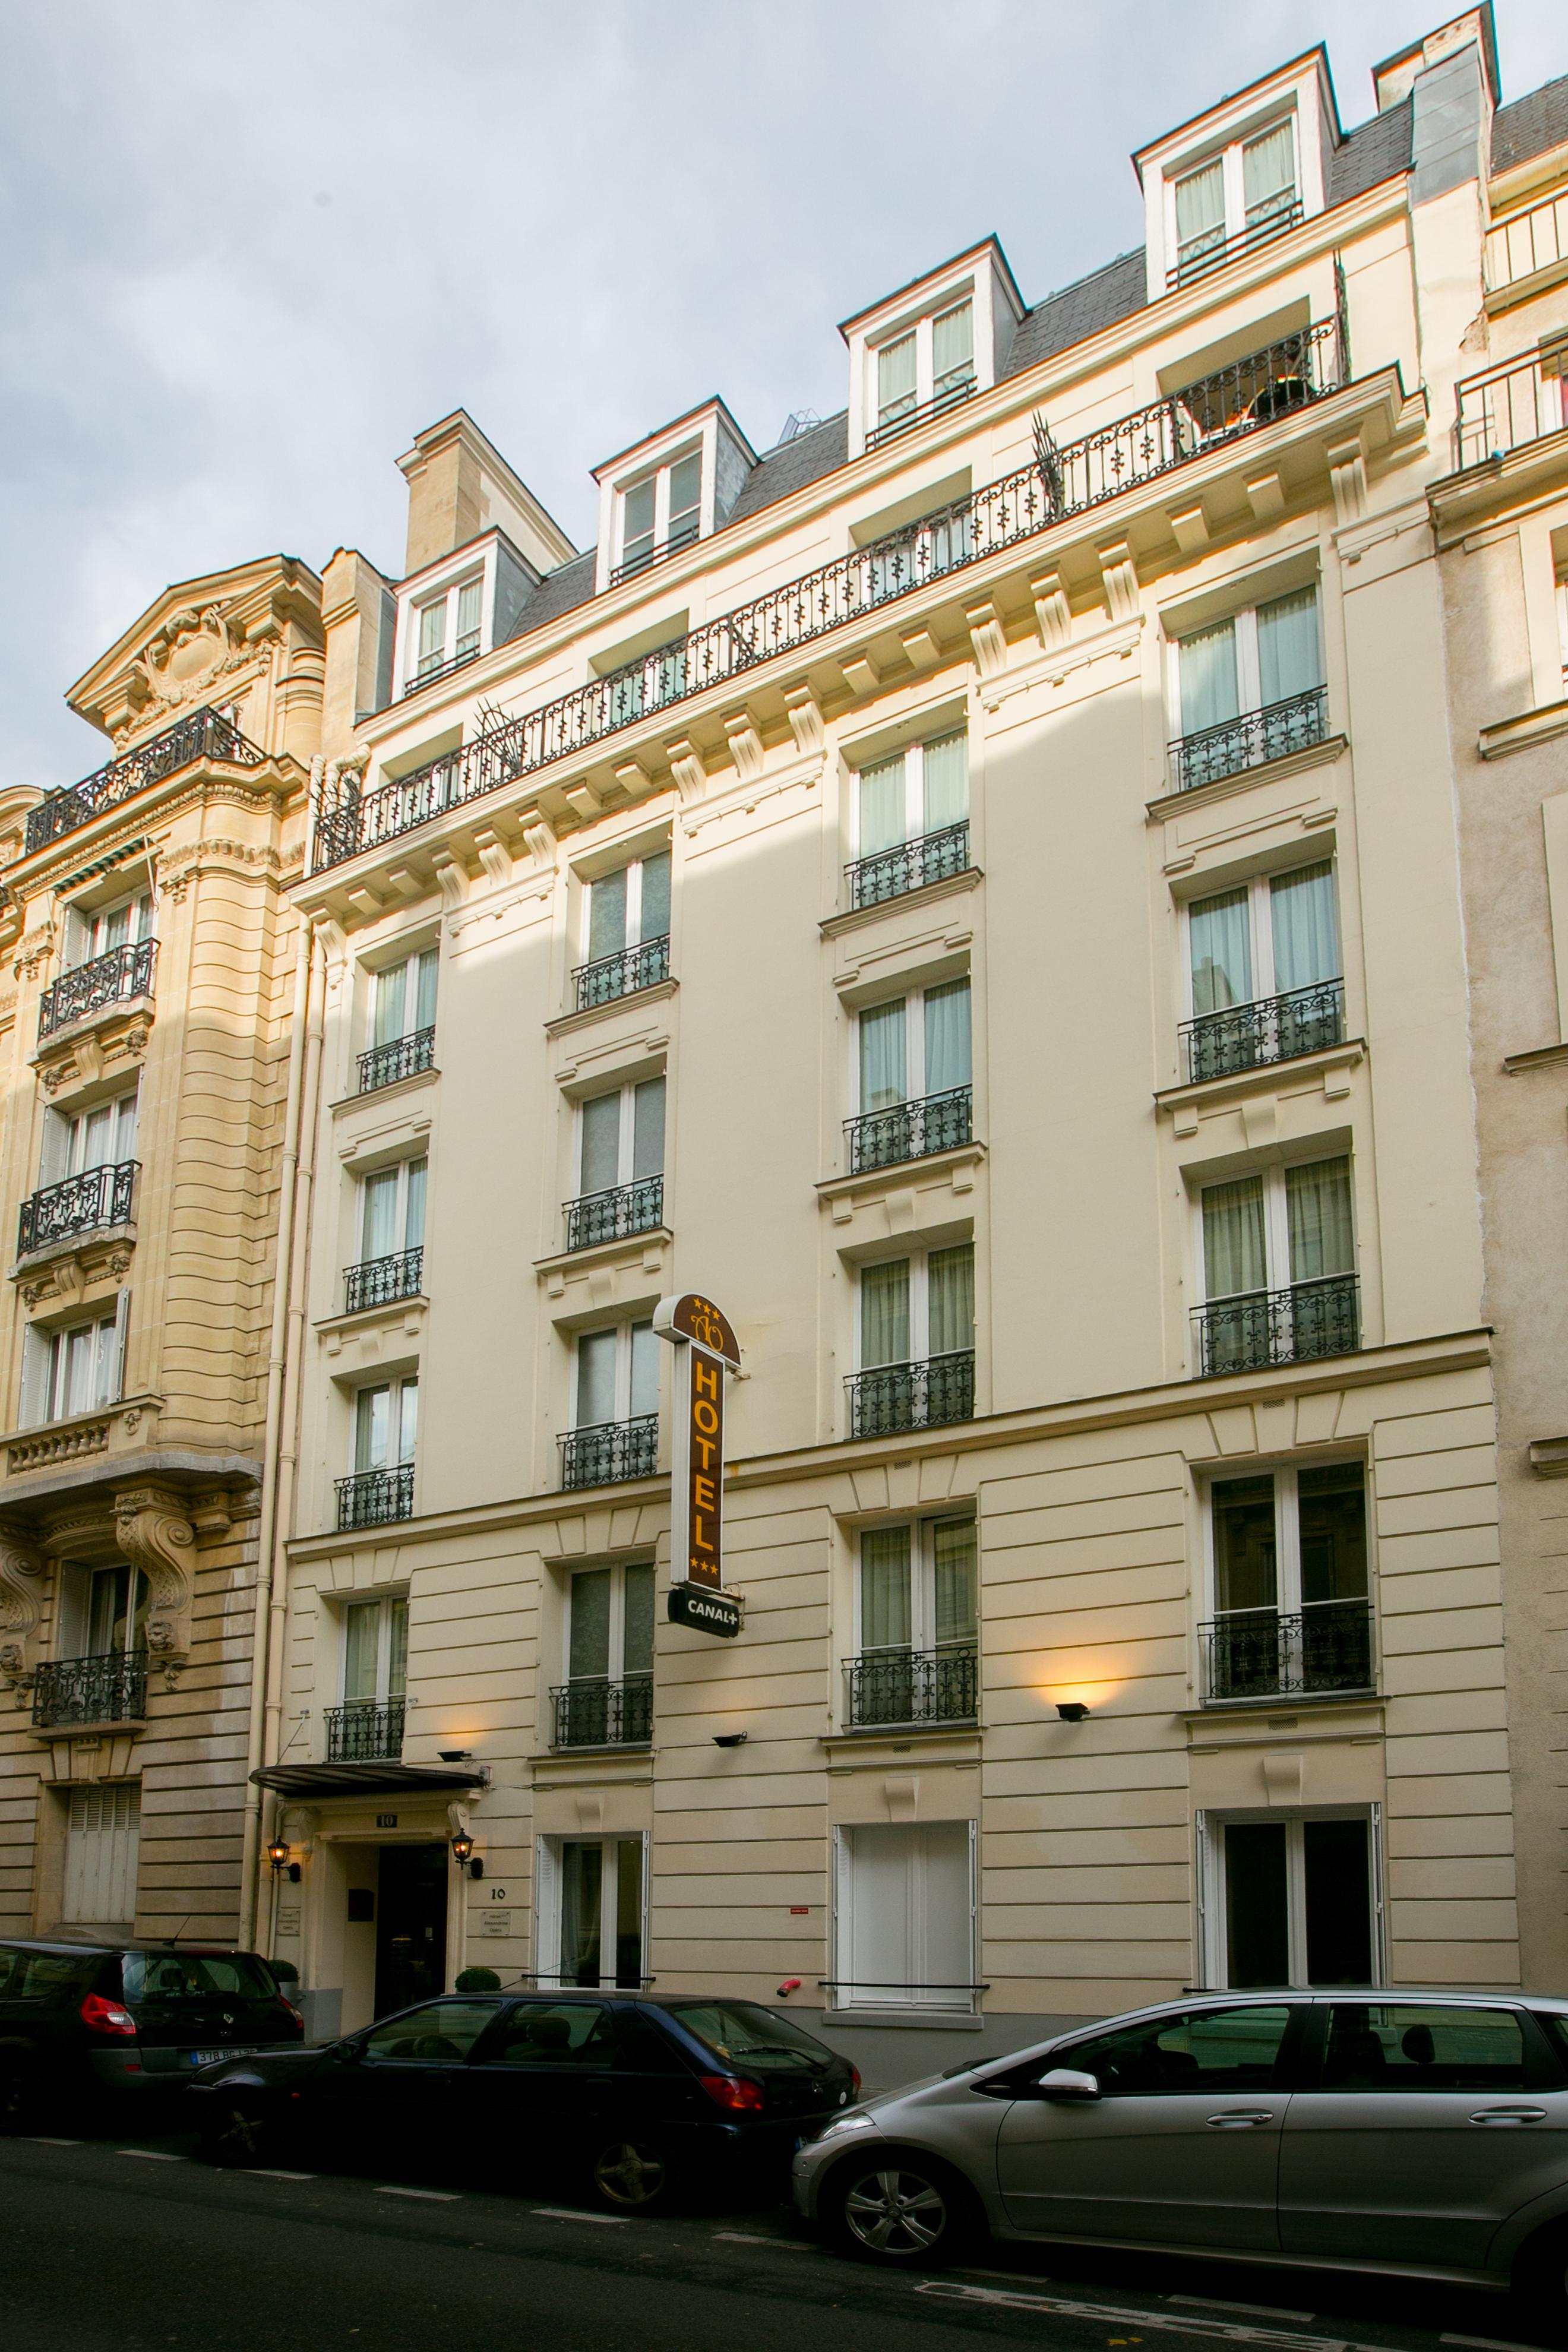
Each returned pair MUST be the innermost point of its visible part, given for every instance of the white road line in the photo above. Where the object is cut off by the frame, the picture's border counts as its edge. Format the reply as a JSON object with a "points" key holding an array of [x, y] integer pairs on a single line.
{"points": [[152, 2155], [1220, 2302], [1489, 2343], [38, 2140], [267, 2172], [430, 2196], [1126, 2316], [752, 2238], [565, 2213]]}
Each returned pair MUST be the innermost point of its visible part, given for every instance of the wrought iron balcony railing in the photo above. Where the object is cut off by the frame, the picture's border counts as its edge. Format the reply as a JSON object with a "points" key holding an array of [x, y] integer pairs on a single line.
{"points": [[428, 674], [378, 1281], [912, 1130], [401, 1057], [1278, 1326], [611, 1216], [912, 1396], [920, 413], [628, 569], [609, 1451], [602, 1714], [913, 1685], [1527, 241], [1508, 407], [1273, 1029], [112, 978], [363, 1732], [1212, 251], [1262, 1654], [1237, 744], [621, 974], [110, 1688], [373, 1498], [890, 873], [97, 1198], [1241, 399], [205, 735]]}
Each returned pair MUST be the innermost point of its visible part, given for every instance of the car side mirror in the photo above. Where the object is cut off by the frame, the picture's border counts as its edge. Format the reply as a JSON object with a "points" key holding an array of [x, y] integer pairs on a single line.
{"points": [[348, 2053], [1066, 2083]]}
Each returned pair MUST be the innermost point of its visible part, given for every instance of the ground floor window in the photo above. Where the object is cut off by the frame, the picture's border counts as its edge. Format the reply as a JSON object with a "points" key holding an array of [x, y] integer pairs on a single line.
{"points": [[904, 1901], [593, 1905], [102, 1834], [1291, 1898]]}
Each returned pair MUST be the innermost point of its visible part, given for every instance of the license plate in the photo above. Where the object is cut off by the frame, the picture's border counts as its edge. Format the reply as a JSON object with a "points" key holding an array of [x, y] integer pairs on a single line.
{"points": [[211, 2057]]}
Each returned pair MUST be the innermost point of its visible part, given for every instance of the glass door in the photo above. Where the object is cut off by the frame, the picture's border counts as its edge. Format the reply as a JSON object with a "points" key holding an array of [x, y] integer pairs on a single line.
{"points": [[602, 1937]]}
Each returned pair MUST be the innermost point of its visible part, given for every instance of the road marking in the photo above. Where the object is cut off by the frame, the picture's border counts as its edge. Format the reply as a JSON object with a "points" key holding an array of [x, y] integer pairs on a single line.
{"points": [[152, 2155], [1218, 2303], [267, 2172], [430, 2196], [752, 2238], [1125, 2315], [1489, 2343], [565, 2213], [38, 2140]]}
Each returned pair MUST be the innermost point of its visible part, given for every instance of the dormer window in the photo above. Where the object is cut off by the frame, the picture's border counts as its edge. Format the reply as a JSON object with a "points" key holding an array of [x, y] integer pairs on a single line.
{"points": [[1240, 198], [930, 346], [449, 629], [660, 515], [924, 370]]}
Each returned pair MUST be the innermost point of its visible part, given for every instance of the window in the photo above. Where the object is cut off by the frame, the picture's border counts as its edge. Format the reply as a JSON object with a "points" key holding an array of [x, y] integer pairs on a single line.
{"points": [[104, 1137], [1419, 2046], [100, 932], [392, 1210], [104, 1611], [1249, 192], [924, 370], [1292, 1611], [1278, 1260], [617, 1375], [1296, 1902], [1263, 963], [915, 1095], [402, 998], [905, 1916], [607, 1698], [385, 1424], [916, 1342], [450, 629], [75, 1370], [660, 514], [915, 1624], [1211, 2049], [627, 928], [620, 1141], [918, 795], [556, 2033], [375, 1652], [443, 2032], [1250, 688], [593, 1901]]}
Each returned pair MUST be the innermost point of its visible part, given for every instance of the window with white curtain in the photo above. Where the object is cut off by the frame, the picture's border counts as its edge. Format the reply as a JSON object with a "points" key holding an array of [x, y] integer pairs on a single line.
{"points": [[1277, 1229], [449, 627], [629, 907], [1249, 190], [912, 1308], [904, 1917], [103, 1137], [620, 1137], [403, 997], [1263, 938], [913, 1047], [76, 1369], [386, 1423], [616, 1375], [661, 513], [918, 792], [375, 1651], [932, 361], [392, 1210], [98, 931], [609, 1622], [1264, 655]]}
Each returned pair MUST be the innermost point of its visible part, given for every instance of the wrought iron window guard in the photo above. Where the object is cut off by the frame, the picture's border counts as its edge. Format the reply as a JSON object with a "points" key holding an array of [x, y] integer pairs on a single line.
{"points": [[1268, 1653], [634, 564], [896, 1685], [110, 1688], [938, 405], [611, 1215], [438, 671], [112, 978], [1237, 744], [912, 1396], [1278, 1326], [609, 1451], [1196, 262], [909, 865], [97, 1198], [206, 734], [401, 1057], [1272, 1029], [378, 1281], [365, 1732], [910, 1130], [621, 974], [373, 1498], [1234, 401], [602, 1714], [1508, 407]]}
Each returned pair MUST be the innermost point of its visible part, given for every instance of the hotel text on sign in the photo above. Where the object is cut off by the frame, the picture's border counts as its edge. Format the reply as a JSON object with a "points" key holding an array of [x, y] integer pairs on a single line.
{"points": [[705, 1346]]}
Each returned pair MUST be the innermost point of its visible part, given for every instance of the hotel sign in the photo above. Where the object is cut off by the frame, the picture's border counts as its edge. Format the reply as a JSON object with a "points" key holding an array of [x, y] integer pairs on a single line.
{"points": [[705, 1348]]}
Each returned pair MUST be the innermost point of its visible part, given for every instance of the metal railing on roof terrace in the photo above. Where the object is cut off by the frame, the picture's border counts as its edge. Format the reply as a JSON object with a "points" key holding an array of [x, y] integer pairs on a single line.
{"points": [[1527, 242], [206, 734], [1507, 407], [1240, 399]]}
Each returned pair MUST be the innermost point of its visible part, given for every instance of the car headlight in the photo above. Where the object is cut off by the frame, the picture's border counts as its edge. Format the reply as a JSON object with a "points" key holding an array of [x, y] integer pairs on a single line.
{"points": [[846, 2124]]}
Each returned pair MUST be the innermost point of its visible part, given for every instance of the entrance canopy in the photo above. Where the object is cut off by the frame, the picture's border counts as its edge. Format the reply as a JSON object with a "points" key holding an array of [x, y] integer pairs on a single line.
{"points": [[315, 1780]]}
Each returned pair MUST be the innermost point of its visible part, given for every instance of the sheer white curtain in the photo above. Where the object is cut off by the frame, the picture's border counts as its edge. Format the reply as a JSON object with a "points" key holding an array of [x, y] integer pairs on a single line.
{"points": [[1305, 930], [647, 1127], [588, 1641], [952, 348], [1290, 659], [883, 1066], [380, 1214], [1210, 694], [886, 1615], [947, 1051], [885, 1313], [596, 1354], [883, 824], [950, 1298], [1200, 211], [645, 1370], [1235, 1253], [1318, 1210], [1220, 938], [945, 782], [953, 1598], [602, 1142], [1269, 175]]}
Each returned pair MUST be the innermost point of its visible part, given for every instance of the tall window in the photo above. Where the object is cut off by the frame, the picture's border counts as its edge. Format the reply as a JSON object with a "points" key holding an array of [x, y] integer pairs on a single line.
{"points": [[75, 1370], [594, 1891], [621, 1136], [608, 1694], [402, 998], [386, 1423], [914, 1078], [104, 1611], [1278, 1252], [617, 1375], [92, 934], [1291, 1588], [922, 790], [1295, 1902], [1264, 966], [450, 628], [660, 514], [1249, 190], [104, 1137], [932, 363], [375, 1660], [1266, 655], [915, 1648], [905, 1907], [914, 1307], [630, 907], [392, 1218]]}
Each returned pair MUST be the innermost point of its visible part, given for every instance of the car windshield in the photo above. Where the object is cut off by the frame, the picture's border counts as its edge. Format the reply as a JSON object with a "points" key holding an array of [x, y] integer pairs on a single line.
{"points": [[194, 1976], [739, 2030]]}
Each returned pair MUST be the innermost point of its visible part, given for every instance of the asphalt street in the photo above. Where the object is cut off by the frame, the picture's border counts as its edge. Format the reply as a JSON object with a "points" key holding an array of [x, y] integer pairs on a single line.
{"points": [[118, 2244]]}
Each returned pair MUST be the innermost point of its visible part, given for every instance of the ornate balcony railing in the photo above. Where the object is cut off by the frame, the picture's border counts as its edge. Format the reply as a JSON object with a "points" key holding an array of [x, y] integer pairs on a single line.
{"points": [[402, 1057], [621, 974], [428, 674], [602, 1714], [1274, 1029], [111, 979], [99, 1197], [912, 1130], [890, 873], [111, 1688], [1527, 242], [1238, 400], [205, 735], [913, 1685], [893, 428], [912, 1396], [609, 1451], [1212, 251], [1261, 1654], [1237, 744], [373, 1498], [378, 1281], [634, 564], [1278, 1326], [1507, 407], [364, 1733], [611, 1216]]}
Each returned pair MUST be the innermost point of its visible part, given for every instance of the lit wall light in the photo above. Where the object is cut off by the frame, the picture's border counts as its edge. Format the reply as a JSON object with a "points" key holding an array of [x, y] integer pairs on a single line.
{"points": [[1072, 1710]]}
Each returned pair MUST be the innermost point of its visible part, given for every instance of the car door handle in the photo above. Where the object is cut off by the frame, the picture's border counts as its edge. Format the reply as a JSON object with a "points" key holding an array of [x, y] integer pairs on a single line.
{"points": [[1242, 2118], [1509, 2116]]}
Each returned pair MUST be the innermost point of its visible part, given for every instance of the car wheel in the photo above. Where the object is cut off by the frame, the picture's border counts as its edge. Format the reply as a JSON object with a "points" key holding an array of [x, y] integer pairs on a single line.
{"points": [[233, 2133], [901, 2208], [633, 2175]]}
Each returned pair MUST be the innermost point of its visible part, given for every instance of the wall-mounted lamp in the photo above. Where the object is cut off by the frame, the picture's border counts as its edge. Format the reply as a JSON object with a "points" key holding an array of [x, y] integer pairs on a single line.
{"points": [[278, 1856], [463, 1854], [456, 1755], [729, 1739], [1071, 1710]]}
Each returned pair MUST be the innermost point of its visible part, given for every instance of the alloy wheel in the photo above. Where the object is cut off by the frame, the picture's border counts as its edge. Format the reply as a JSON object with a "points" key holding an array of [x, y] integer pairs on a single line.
{"points": [[239, 2137], [630, 2172], [895, 2213]]}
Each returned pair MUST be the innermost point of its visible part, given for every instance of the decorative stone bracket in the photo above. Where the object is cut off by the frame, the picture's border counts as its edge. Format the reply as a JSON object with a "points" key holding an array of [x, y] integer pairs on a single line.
{"points": [[21, 1606], [152, 1530]]}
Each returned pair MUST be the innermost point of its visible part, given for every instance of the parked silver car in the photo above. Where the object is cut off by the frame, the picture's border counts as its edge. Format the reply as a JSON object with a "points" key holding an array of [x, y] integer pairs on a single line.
{"points": [[1422, 2132]]}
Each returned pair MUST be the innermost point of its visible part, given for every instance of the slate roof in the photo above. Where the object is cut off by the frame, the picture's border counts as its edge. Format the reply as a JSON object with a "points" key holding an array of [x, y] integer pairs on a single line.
{"points": [[1530, 125], [820, 449], [1375, 152], [1078, 311], [560, 592]]}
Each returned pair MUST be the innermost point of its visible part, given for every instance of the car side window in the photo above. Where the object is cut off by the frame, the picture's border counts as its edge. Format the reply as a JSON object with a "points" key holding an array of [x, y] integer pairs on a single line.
{"points": [[1205, 2050], [1405, 2046], [41, 1978], [441, 2030], [560, 2034]]}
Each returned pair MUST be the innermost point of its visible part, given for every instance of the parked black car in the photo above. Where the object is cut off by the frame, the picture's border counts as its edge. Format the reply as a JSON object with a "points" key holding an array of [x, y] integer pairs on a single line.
{"points": [[638, 2099], [83, 2021]]}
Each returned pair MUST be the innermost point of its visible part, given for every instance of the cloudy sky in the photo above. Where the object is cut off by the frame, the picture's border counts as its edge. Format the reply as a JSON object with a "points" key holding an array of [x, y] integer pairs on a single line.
{"points": [[250, 251]]}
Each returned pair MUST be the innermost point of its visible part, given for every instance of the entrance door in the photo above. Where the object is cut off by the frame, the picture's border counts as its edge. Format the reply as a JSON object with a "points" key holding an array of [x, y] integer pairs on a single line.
{"points": [[1298, 1901], [102, 1834], [601, 1912], [411, 1926]]}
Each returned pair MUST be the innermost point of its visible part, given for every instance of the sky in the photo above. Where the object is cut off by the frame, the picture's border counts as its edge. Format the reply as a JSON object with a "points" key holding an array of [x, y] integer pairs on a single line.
{"points": [[247, 252]]}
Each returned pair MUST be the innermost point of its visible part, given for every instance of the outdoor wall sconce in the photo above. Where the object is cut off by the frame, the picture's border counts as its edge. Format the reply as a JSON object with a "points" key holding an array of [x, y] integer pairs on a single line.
{"points": [[463, 1854], [456, 1755], [278, 1856], [729, 1739], [1071, 1710]]}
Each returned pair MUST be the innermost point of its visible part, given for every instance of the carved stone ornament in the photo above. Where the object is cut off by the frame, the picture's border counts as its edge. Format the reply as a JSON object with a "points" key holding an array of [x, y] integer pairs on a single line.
{"points": [[179, 663], [21, 1606], [153, 1531]]}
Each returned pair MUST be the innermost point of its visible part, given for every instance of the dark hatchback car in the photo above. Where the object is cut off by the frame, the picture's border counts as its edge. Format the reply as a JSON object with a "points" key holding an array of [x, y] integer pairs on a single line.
{"points": [[83, 2022], [638, 2099]]}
